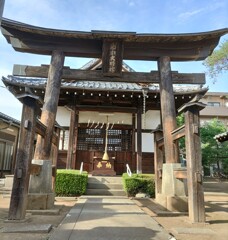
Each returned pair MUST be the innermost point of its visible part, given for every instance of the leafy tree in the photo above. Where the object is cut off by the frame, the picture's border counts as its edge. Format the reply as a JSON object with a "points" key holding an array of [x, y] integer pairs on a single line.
{"points": [[180, 122], [213, 152], [218, 61]]}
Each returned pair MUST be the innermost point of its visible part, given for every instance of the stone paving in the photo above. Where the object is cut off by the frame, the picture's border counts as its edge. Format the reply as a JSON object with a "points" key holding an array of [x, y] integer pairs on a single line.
{"points": [[121, 217], [102, 217]]}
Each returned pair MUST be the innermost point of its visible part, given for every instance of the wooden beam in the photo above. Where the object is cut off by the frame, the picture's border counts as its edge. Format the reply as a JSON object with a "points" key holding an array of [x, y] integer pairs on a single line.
{"points": [[96, 75], [178, 133], [43, 147], [160, 142], [106, 108], [168, 109], [41, 130], [18, 201]]}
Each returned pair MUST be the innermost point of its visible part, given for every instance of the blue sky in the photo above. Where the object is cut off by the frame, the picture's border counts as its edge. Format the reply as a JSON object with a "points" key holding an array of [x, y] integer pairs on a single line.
{"points": [[141, 16]]}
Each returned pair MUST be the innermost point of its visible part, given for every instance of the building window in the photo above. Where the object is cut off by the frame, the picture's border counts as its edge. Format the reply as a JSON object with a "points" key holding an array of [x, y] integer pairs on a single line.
{"points": [[6, 155], [94, 139], [213, 104]]}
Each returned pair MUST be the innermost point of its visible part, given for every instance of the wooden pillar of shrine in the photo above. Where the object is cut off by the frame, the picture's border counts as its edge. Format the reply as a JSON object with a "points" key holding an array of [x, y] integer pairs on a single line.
{"points": [[194, 162], [75, 140], [18, 201], [158, 162], [41, 194], [168, 110], [139, 141], [71, 144]]}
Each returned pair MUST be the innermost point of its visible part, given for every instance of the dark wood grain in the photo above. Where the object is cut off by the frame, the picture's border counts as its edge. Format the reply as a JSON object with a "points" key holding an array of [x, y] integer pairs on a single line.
{"points": [[43, 146], [18, 202], [96, 75]]}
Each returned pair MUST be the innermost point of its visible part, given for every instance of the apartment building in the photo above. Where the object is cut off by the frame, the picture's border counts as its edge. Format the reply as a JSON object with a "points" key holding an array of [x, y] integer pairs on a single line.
{"points": [[217, 107]]}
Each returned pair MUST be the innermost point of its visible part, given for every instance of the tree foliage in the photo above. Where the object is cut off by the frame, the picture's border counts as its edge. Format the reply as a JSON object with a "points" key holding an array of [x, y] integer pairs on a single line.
{"points": [[218, 61], [213, 152], [180, 122]]}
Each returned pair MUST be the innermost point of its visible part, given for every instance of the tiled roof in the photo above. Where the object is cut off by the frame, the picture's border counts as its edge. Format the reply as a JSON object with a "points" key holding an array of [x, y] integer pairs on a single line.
{"points": [[96, 85], [7, 118], [221, 137]]}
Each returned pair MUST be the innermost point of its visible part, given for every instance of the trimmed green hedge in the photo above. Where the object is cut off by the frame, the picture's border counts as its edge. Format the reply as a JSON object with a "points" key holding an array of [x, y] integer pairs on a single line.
{"points": [[70, 182], [139, 183]]}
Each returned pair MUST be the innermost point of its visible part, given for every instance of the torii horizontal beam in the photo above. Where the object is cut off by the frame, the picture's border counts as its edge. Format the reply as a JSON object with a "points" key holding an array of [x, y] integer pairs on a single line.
{"points": [[96, 75]]}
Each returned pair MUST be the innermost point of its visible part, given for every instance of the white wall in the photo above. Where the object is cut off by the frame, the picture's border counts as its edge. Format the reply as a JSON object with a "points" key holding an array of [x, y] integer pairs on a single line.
{"points": [[122, 118], [63, 116], [152, 121]]}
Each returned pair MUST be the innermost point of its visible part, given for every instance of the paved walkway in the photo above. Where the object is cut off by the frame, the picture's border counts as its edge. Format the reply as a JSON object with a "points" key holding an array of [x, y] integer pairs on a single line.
{"points": [[103, 218]]}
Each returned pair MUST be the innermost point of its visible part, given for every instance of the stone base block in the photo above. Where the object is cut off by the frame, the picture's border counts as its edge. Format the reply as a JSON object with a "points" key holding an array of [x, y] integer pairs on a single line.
{"points": [[9, 181], [40, 201], [173, 203]]}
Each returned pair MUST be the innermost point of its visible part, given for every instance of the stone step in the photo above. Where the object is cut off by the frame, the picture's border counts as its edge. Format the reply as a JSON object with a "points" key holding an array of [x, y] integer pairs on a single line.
{"points": [[105, 192], [104, 186], [105, 179], [2, 181], [5, 192]]}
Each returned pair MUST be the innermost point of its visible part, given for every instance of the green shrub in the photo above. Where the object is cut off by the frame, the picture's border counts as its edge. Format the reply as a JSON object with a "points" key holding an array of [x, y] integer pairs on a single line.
{"points": [[139, 183], [70, 182]]}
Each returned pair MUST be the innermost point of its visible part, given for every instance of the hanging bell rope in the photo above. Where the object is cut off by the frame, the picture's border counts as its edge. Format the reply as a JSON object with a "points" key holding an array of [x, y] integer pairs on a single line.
{"points": [[144, 91], [105, 156]]}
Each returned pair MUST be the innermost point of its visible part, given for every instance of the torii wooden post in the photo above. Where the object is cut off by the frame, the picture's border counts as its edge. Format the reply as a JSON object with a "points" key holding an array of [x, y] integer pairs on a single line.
{"points": [[18, 202], [194, 162], [167, 109], [51, 98], [41, 194]]}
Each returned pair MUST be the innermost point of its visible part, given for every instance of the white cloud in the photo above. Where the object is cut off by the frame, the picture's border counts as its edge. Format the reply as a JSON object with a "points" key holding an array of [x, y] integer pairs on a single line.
{"points": [[204, 9], [189, 14]]}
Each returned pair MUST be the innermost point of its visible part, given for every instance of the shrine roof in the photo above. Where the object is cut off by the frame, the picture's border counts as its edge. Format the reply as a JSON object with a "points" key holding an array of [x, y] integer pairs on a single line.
{"points": [[179, 47], [40, 83]]}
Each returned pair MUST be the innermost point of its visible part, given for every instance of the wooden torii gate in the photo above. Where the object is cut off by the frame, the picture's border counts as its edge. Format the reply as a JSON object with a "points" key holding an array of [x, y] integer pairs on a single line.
{"points": [[112, 47]]}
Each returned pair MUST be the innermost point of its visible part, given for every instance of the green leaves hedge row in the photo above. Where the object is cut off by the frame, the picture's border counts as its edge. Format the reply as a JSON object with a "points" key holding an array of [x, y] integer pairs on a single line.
{"points": [[70, 182], [139, 183]]}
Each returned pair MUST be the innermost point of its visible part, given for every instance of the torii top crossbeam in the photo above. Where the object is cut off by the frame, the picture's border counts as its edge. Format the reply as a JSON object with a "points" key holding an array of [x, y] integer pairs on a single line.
{"points": [[179, 47]]}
